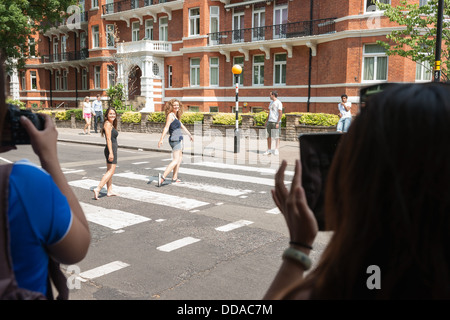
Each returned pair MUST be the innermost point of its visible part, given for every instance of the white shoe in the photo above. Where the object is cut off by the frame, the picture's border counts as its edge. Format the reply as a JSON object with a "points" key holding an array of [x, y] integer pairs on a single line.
{"points": [[267, 153], [275, 152]]}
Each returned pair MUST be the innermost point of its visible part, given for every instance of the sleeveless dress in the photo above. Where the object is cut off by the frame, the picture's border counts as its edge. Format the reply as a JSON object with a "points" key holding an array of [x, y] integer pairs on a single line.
{"points": [[114, 134]]}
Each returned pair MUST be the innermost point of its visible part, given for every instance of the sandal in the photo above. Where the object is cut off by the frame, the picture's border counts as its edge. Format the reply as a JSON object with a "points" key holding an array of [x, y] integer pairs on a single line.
{"points": [[161, 179], [176, 180]]}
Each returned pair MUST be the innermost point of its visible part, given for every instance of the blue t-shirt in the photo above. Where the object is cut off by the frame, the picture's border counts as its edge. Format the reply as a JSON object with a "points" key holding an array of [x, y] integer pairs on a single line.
{"points": [[39, 216]]}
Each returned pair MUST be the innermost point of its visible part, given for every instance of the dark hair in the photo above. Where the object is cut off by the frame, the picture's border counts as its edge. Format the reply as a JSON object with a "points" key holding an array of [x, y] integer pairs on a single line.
{"points": [[102, 131], [275, 93], [344, 96], [387, 199]]}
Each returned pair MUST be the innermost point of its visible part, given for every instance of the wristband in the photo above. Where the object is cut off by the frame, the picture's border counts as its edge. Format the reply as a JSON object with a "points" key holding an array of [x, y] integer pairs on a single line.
{"points": [[298, 256]]}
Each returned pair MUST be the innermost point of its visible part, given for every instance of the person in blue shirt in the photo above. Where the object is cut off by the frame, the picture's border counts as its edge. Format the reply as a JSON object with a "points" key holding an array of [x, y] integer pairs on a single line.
{"points": [[44, 221]]}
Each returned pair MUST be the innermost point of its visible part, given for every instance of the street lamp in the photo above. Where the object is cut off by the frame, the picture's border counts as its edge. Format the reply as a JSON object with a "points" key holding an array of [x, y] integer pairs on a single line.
{"points": [[237, 70], [437, 59]]}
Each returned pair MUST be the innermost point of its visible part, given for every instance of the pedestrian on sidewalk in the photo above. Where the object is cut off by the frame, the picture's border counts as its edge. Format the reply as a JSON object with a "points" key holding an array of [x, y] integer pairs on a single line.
{"points": [[173, 110], [345, 114], [273, 123], [390, 223], [110, 132], [87, 112], [97, 110]]}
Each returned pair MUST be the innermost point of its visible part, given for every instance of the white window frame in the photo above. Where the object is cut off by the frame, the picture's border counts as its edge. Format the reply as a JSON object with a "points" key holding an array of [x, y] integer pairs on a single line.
{"points": [[238, 26], [111, 75], [83, 40], [63, 48], [57, 80], [94, 4], [214, 68], [214, 22], [64, 80], [163, 28], [84, 79], [110, 41], [376, 57], [194, 22], [23, 80], [169, 76], [260, 66], [135, 26], [149, 29], [279, 64], [279, 30], [423, 3], [194, 74], [240, 61], [32, 47], [55, 49], [424, 70], [97, 77], [33, 78], [370, 5], [95, 36], [258, 23]]}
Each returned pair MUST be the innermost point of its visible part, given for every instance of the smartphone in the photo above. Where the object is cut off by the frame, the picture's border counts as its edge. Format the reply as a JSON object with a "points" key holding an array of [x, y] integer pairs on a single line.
{"points": [[13, 133], [316, 154]]}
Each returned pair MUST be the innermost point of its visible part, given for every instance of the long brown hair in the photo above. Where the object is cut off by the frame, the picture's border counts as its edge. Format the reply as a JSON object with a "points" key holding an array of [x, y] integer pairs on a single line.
{"points": [[388, 200], [168, 108], [102, 131], [3, 106]]}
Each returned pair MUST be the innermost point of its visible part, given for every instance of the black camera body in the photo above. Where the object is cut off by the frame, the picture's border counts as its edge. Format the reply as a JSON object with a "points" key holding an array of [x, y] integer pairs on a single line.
{"points": [[13, 132]]}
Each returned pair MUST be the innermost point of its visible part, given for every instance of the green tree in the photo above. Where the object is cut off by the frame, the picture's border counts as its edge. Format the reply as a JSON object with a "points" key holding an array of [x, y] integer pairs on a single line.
{"points": [[19, 19], [417, 41]]}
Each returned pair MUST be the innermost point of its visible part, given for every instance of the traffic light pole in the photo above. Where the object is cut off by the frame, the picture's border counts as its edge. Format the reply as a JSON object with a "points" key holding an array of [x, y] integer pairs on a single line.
{"points": [[437, 62], [236, 130]]}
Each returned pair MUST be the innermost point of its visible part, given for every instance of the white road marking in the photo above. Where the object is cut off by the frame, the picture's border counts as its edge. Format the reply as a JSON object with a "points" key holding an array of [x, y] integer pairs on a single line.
{"points": [[190, 185], [234, 225], [177, 244], [145, 195], [274, 211], [227, 176], [102, 270], [222, 165], [142, 162], [111, 218]]}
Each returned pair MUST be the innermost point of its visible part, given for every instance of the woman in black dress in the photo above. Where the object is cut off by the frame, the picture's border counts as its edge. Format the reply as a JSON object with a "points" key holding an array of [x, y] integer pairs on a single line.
{"points": [[110, 132]]}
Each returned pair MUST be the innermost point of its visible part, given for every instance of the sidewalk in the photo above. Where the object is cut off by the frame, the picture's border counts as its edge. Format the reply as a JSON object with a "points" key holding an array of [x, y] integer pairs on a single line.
{"points": [[251, 150]]}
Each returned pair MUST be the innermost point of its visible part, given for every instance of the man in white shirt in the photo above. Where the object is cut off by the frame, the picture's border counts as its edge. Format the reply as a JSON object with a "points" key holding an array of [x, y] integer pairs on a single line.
{"points": [[273, 123], [97, 110], [345, 113]]}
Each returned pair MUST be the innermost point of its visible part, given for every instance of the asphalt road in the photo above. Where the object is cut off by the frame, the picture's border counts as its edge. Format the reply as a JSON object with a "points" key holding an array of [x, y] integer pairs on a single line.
{"points": [[215, 236]]}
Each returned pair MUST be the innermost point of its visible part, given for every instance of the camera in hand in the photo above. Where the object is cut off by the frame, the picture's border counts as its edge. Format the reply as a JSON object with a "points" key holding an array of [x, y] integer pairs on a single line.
{"points": [[13, 132]]}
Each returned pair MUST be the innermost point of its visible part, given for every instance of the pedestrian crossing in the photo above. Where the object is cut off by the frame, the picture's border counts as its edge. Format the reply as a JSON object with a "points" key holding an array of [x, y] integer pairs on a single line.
{"points": [[119, 220]]}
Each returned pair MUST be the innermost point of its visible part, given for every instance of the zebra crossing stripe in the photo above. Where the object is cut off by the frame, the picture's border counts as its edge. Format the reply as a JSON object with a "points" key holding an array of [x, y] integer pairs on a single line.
{"points": [[234, 225], [102, 270], [226, 176], [144, 195], [177, 244], [111, 218], [190, 185], [222, 165]]}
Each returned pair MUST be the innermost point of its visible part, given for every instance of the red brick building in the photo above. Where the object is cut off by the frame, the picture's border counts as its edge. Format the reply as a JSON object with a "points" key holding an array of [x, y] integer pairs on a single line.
{"points": [[310, 51]]}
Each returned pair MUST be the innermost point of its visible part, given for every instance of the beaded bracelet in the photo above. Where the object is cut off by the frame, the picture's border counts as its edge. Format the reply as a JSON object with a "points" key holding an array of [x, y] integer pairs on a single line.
{"points": [[301, 244], [298, 256]]}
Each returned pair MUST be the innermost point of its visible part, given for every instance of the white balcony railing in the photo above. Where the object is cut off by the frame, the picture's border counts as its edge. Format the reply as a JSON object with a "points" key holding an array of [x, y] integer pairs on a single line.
{"points": [[144, 46]]}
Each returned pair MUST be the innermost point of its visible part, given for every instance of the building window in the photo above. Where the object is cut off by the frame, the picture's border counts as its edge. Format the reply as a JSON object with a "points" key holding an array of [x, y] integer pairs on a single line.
{"points": [[374, 63], [258, 70], [280, 69], [423, 3], [63, 48], [33, 80], [423, 71], [57, 80], [32, 47], [259, 21], [238, 26], [155, 69], [135, 31], [239, 61], [55, 49], [213, 109], [97, 77], [64, 80], [213, 71], [163, 29], [83, 42], [111, 76], [195, 72], [94, 3], [193, 109], [23, 80], [169, 76], [149, 29], [280, 18], [84, 79], [371, 5], [214, 19], [110, 35], [194, 21], [95, 37]]}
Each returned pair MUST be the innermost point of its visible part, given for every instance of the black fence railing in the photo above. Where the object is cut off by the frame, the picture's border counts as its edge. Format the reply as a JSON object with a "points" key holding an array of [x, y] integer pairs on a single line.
{"points": [[125, 5], [66, 56], [279, 31]]}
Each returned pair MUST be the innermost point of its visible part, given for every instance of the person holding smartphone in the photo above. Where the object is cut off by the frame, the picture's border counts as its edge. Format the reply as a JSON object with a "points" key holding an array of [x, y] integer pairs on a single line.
{"points": [[345, 114]]}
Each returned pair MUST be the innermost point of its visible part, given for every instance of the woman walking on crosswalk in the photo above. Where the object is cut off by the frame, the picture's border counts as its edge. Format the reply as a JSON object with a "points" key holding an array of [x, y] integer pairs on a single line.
{"points": [[173, 110], [110, 132]]}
